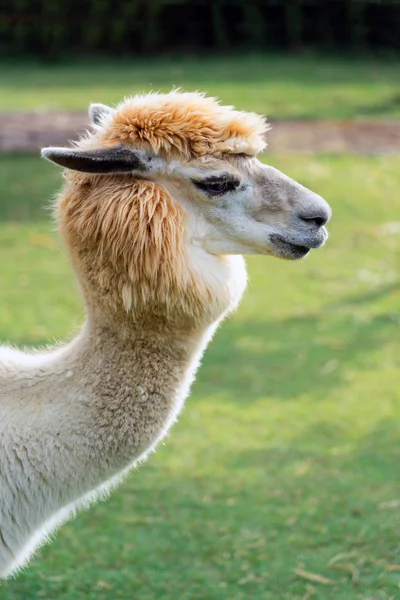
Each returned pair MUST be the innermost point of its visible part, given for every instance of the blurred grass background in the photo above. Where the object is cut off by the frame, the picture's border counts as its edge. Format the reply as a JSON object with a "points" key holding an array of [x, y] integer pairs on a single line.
{"points": [[281, 479], [283, 86]]}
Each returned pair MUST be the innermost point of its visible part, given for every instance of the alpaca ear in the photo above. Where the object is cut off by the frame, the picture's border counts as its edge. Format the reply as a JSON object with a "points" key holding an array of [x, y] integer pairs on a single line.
{"points": [[98, 111], [115, 159]]}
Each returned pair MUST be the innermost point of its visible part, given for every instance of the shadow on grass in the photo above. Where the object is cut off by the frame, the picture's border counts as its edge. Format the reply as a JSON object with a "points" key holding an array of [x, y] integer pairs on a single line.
{"points": [[293, 356], [367, 297], [374, 455]]}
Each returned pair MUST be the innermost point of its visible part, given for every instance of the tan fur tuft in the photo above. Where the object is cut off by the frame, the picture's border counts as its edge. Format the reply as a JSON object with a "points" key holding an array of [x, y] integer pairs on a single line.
{"points": [[128, 233], [189, 124]]}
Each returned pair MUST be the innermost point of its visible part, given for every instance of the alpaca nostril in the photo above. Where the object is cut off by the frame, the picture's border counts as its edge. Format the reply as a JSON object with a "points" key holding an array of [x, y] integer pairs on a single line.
{"points": [[318, 220]]}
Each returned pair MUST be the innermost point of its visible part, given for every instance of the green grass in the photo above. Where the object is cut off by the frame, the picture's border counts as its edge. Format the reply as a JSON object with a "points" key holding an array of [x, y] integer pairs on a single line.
{"points": [[287, 454], [281, 86]]}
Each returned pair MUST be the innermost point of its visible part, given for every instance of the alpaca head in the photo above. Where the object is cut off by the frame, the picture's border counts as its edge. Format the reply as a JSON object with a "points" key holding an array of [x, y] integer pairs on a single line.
{"points": [[165, 179], [204, 156]]}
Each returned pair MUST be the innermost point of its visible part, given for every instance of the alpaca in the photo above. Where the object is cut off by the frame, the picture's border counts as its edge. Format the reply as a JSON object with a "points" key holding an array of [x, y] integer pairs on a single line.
{"points": [[160, 201]]}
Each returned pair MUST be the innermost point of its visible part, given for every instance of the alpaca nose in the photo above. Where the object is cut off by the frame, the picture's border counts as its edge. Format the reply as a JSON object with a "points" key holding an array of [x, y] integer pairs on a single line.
{"points": [[317, 216]]}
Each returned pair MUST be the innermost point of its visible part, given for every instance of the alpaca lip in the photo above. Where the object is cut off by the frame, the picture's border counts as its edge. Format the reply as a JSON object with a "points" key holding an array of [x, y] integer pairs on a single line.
{"points": [[289, 250]]}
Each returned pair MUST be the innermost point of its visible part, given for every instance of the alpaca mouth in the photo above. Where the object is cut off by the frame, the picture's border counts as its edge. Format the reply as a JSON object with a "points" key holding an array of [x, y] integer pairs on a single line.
{"points": [[291, 251]]}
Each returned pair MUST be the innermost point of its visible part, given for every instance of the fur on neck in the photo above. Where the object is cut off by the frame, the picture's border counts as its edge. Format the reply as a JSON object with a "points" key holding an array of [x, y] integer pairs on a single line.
{"points": [[127, 241]]}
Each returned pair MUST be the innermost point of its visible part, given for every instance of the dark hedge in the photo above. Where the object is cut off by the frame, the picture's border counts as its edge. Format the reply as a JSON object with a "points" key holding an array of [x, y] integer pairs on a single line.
{"points": [[55, 28]]}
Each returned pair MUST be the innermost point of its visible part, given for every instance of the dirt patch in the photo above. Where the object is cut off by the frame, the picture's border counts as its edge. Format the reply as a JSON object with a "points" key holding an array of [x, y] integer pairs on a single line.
{"points": [[29, 131], [366, 137]]}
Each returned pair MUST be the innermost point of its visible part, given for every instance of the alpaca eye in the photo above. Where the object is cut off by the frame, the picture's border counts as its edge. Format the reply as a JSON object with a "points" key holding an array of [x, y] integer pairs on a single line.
{"points": [[217, 187]]}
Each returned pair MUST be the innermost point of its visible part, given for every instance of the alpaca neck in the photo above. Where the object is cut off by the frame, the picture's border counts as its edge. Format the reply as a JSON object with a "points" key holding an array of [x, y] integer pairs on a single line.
{"points": [[87, 412], [90, 410], [134, 377]]}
